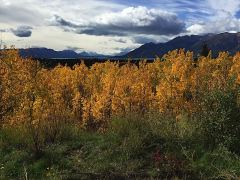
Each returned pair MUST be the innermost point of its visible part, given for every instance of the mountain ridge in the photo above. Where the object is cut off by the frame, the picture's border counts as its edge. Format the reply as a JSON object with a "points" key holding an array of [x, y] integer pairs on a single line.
{"points": [[46, 53], [216, 42]]}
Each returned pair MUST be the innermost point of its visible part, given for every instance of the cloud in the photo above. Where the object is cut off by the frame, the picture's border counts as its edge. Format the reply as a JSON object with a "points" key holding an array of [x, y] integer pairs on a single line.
{"points": [[102, 25], [224, 22], [73, 48], [19, 13], [196, 29], [144, 39], [120, 40], [223, 17], [123, 51], [231, 6], [62, 22], [22, 31], [131, 20]]}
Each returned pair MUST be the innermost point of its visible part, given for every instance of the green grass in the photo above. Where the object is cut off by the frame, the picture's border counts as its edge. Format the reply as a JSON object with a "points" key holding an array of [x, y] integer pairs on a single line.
{"points": [[154, 145]]}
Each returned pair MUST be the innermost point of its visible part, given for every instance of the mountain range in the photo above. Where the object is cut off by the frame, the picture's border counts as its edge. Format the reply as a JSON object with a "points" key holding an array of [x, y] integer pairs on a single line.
{"points": [[45, 53], [216, 42]]}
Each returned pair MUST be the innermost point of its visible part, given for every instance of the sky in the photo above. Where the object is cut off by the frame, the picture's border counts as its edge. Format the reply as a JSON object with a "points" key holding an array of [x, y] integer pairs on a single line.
{"points": [[111, 26]]}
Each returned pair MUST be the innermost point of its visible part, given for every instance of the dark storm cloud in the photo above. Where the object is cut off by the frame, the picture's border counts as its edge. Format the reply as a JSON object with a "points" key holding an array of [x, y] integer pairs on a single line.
{"points": [[22, 31], [139, 20]]}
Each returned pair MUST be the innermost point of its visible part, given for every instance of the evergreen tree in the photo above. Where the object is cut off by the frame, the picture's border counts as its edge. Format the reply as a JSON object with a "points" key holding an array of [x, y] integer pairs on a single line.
{"points": [[205, 50]]}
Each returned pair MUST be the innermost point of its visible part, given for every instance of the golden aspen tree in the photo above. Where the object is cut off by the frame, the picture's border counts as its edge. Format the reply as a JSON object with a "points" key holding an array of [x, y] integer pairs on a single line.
{"points": [[235, 68], [12, 80], [124, 91], [93, 86], [102, 108], [80, 90]]}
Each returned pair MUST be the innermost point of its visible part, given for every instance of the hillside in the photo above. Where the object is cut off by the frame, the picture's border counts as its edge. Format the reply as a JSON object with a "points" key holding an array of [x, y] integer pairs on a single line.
{"points": [[216, 42]]}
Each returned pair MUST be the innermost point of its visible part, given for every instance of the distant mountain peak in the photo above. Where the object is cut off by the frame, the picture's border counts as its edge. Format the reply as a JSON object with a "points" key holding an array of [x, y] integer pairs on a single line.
{"points": [[46, 53]]}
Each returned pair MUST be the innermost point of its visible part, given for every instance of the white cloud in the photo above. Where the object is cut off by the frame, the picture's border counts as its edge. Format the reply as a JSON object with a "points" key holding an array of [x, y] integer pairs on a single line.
{"points": [[231, 6], [159, 20], [129, 21], [131, 16], [196, 29], [37, 13], [222, 19]]}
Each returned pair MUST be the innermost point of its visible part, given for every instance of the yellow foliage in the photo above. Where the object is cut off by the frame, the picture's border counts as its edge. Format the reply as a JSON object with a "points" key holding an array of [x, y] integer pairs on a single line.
{"points": [[31, 94]]}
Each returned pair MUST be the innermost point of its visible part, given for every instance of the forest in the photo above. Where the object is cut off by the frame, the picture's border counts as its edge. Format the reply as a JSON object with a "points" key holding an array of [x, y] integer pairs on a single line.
{"points": [[177, 117]]}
